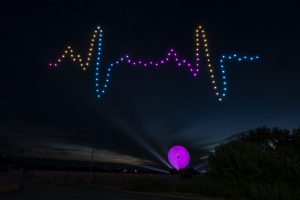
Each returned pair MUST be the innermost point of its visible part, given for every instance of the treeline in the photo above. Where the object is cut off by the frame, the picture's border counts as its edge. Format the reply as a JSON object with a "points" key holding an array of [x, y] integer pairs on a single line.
{"points": [[263, 163]]}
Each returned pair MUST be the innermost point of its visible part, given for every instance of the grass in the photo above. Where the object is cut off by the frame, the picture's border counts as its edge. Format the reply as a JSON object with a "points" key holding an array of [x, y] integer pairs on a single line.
{"points": [[205, 186]]}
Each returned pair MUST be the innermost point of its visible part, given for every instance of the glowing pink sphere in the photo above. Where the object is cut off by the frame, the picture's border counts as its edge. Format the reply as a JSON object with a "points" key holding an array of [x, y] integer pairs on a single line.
{"points": [[179, 157]]}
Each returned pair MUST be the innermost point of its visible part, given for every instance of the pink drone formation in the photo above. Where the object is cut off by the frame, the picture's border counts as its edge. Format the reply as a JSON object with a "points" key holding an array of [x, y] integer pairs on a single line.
{"points": [[179, 157], [171, 55]]}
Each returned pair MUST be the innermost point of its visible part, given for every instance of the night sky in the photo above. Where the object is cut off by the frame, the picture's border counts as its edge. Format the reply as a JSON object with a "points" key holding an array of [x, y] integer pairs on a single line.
{"points": [[55, 113]]}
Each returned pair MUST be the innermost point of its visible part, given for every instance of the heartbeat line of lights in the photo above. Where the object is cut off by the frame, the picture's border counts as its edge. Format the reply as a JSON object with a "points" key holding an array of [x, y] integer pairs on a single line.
{"points": [[171, 55]]}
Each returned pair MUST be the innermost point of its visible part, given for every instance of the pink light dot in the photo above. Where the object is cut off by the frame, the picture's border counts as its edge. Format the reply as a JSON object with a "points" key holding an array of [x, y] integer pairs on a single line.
{"points": [[176, 59], [156, 64], [179, 157], [191, 70], [195, 74]]}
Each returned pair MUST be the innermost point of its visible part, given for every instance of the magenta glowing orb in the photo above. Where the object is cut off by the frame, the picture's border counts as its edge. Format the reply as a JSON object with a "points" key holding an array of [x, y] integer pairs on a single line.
{"points": [[179, 157]]}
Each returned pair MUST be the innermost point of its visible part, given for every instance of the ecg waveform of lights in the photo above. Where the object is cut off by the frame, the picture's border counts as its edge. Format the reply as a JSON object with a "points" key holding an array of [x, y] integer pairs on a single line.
{"points": [[171, 55]]}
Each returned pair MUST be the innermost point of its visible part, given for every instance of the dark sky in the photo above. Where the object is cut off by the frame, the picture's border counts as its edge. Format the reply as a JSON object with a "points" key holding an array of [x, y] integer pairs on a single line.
{"points": [[55, 114]]}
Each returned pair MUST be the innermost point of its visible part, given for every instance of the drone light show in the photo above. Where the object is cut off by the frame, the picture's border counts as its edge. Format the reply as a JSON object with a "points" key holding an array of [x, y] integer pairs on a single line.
{"points": [[103, 71], [179, 157]]}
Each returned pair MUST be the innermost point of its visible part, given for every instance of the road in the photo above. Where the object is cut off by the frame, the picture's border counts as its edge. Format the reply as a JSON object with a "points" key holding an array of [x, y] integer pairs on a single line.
{"points": [[63, 192]]}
